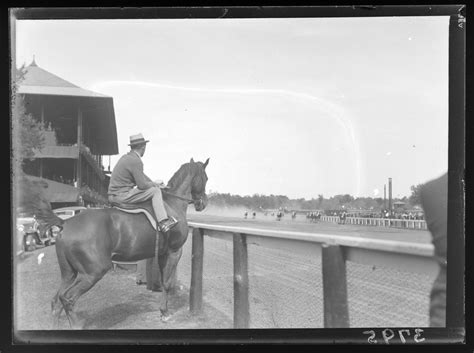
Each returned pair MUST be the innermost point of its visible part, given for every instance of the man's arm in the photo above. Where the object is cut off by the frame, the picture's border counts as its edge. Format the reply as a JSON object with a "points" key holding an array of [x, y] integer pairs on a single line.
{"points": [[147, 178], [142, 181], [159, 183]]}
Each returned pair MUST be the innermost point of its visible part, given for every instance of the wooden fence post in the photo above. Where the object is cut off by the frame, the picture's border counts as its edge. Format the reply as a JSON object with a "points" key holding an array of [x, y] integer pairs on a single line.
{"points": [[241, 282], [195, 292], [336, 309]]}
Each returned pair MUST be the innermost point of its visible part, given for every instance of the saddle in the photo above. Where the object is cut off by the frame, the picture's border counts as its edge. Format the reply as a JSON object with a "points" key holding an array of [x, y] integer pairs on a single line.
{"points": [[145, 207]]}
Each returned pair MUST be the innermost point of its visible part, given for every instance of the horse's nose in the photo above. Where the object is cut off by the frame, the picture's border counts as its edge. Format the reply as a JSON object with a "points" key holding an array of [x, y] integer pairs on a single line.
{"points": [[201, 205], [197, 205]]}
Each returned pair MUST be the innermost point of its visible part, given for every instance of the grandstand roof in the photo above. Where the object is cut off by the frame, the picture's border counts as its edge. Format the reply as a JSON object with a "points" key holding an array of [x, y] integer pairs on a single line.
{"points": [[40, 81], [98, 107]]}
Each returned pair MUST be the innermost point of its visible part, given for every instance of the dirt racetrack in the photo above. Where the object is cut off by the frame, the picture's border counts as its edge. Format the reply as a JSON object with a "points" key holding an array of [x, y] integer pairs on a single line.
{"points": [[285, 288]]}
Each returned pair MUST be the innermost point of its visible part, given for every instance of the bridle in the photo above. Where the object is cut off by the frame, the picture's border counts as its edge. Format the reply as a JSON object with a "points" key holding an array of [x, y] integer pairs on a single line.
{"points": [[196, 202]]}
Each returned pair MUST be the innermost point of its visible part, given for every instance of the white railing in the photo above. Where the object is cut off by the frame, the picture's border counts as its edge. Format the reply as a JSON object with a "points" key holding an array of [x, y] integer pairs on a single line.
{"points": [[381, 222], [334, 251]]}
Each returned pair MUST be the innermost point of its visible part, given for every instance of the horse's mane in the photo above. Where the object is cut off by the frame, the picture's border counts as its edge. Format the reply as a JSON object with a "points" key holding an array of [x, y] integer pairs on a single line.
{"points": [[179, 176]]}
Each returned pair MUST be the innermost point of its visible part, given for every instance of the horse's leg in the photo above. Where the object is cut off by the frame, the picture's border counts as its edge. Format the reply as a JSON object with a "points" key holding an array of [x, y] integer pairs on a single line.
{"points": [[56, 304], [167, 279], [81, 285], [68, 275], [173, 280], [56, 308]]}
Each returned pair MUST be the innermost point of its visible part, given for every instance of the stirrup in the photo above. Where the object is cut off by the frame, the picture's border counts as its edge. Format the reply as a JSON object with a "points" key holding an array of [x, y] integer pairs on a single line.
{"points": [[165, 225]]}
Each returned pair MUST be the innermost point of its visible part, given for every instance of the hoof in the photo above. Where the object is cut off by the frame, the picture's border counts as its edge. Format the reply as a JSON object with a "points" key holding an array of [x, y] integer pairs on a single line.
{"points": [[177, 289], [165, 317], [78, 324], [156, 289]]}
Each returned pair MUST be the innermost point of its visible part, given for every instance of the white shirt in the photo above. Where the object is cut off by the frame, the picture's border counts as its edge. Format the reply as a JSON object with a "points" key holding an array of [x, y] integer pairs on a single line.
{"points": [[138, 154]]}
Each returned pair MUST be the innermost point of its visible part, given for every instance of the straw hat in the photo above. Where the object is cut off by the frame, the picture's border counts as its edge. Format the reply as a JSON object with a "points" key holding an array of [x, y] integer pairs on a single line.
{"points": [[137, 140]]}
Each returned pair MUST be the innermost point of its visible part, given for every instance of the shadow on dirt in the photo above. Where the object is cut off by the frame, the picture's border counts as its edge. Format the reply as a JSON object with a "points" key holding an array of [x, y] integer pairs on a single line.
{"points": [[114, 315], [144, 304]]}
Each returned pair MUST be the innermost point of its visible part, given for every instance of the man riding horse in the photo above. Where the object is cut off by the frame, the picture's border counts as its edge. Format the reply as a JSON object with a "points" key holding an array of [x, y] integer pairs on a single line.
{"points": [[130, 185]]}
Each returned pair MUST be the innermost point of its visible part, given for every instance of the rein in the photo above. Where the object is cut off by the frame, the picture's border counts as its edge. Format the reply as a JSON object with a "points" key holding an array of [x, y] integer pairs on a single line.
{"points": [[180, 197]]}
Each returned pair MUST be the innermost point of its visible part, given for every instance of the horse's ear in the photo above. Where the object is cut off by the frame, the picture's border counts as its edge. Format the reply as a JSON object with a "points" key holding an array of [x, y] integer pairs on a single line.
{"points": [[205, 163], [192, 160]]}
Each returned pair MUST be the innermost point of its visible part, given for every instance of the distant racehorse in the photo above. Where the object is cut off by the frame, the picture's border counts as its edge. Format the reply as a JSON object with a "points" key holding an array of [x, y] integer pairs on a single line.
{"points": [[293, 215], [246, 214], [91, 240], [279, 215], [314, 216], [342, 218]]}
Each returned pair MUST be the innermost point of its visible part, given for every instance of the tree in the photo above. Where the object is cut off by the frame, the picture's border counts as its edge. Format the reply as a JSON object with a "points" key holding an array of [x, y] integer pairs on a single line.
{"points": [[26, 137], [346, 198], [415, 194], [320, 199], [27, 133]]}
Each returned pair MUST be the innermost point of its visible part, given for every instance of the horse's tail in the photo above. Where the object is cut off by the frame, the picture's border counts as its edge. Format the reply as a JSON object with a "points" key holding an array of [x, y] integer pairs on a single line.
{"points": [[32, 200], [47, 220]]}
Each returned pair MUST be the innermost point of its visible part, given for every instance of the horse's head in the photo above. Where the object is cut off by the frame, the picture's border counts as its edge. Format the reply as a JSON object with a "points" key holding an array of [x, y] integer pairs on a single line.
{"points": [[198, 184]]}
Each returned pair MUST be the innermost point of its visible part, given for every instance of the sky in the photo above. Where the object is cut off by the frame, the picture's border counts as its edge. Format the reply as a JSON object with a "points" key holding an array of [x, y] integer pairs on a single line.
{"points": [[296, 106]]}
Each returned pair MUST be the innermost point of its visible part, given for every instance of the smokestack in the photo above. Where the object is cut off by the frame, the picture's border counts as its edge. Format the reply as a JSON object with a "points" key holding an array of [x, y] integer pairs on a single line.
{"points": [[390, 194], [384, 196]]}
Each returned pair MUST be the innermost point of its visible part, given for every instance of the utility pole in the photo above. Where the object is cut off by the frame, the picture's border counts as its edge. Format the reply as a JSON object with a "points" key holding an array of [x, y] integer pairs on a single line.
{"points": [[390, 195]]}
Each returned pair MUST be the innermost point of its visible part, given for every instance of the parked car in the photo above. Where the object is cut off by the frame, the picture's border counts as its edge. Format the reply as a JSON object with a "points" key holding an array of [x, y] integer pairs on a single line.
{"points": [[68, 212], [65, 213], [28, 235]]}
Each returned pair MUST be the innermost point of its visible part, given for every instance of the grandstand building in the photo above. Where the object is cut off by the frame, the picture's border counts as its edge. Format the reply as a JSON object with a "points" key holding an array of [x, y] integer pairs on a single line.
{"points": [[80, 131]]}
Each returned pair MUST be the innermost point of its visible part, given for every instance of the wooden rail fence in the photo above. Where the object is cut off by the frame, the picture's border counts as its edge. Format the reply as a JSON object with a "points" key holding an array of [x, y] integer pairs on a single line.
{"points": [[384, 222], [333, 250]]}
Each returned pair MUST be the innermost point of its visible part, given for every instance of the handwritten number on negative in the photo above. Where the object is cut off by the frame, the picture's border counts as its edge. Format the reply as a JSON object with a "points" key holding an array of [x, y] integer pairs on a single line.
{"points": [[371, 338], [417, 337], [389, 334]]}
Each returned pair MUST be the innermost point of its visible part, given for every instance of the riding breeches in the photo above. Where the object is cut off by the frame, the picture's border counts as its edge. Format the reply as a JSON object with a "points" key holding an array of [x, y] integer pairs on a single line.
{"points": [[136, 196]]}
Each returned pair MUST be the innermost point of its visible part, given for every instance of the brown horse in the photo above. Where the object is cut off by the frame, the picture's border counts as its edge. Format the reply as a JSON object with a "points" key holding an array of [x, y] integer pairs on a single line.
{"points": [[91, 240]]}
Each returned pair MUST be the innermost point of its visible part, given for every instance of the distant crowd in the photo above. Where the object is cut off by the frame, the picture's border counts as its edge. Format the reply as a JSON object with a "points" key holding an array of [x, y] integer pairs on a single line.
{"points": [[381, 214], [61, 179]]}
